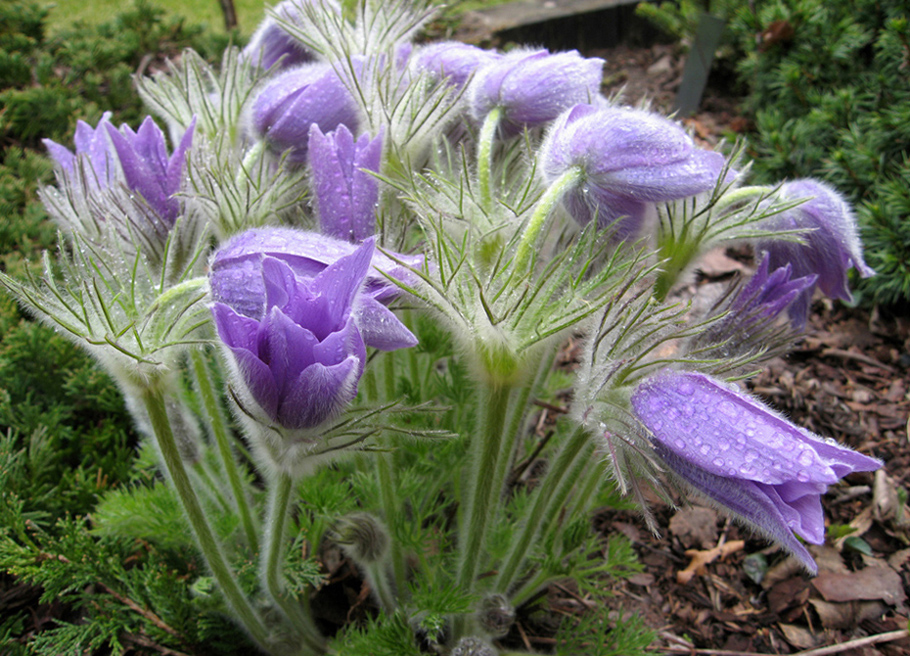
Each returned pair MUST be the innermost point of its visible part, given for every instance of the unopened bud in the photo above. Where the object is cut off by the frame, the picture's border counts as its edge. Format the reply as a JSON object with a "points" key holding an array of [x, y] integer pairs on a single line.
{"points": [[363, 537], [473, 647], [496, 615]]}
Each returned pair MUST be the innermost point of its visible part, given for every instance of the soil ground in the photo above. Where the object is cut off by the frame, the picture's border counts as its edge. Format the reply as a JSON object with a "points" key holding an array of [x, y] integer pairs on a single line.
{"points": [[709, 586]]}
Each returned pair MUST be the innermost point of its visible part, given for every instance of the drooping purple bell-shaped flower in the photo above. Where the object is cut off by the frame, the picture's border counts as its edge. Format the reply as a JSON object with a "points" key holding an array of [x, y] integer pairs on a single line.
{"points": [[744, 456], [236, 278], [832, 245], [533, 87], [630, 159], [271, 42], [311, 94], [451, 60], [346, 193], [299, 365]]}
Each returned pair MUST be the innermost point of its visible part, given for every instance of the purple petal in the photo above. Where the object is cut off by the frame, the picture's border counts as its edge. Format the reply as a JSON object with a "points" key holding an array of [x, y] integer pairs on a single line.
{"points": [[380, 328], [286, 348], [319, 393]]}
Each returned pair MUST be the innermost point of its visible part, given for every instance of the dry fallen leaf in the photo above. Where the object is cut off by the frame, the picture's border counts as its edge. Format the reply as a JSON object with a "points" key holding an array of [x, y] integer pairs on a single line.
{"points": [[869, 583], [698, 559]]}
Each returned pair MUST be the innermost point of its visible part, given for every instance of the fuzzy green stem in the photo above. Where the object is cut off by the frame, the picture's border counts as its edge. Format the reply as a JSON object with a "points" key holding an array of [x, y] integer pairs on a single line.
{"points": [[738, 196], [549, 500], [544, 207], [279, 500], [153, 400], [379, 581], [485, 157], [484, 486], [222, 440]]}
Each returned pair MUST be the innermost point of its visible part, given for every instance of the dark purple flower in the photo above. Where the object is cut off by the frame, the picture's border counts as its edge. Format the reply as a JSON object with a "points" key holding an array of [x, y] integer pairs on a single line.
{"points": [[92, 144], [629, 158], [832, 245], [271, 42], [452, 60], [147, 167], [534, 87], [300, 363], [236, 278], [346, 193], [766, 296], [744, 456], [312, 94]]}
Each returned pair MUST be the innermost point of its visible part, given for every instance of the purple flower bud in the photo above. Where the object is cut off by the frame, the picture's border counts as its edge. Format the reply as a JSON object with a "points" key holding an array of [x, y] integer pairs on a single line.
{"points": [[766, 296], [630, 158], [93, 144], [534, 87], [147, 167], [453, 60], [346, 194], [832, 244], [271, 42], [236, 278], [298, 98], [743, 455], [301, 362]]}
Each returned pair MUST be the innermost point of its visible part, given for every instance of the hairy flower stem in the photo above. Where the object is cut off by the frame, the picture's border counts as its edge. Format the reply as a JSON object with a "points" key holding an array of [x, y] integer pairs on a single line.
{"points": [[385, 470], [222, 440], [485, 157], [485, 479], [544, 207], [153, 401], [279, 501], [549, 500]]}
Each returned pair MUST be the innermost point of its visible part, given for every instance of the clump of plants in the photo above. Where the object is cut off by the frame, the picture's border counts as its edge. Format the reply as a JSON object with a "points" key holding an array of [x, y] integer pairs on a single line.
{"points": [[331, 300]]}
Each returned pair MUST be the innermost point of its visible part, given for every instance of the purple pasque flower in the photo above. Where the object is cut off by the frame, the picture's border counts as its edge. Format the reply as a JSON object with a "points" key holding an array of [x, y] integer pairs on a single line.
{"points": [[630, 159], [832, 245], [311, 94], [93, 145], [271, 42], [451, 60], [533, 87], [147, 167], [346, 193], [765, 297], [744, 456], [299, 364], [143, 160], [236, 280]]}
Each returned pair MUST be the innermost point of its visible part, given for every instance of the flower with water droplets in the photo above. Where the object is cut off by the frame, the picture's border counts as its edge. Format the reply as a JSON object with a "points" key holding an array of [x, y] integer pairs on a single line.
{"points": [[236, 278], [311, 94], [744, 456], [92, 144], [533, 87], [832, 246], [629, 159], [346, 193], [299, 363]]}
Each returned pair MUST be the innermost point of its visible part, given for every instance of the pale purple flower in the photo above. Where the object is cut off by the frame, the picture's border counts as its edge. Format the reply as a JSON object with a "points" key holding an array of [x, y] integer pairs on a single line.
{"points": [[271, 42], [92, 144], [832, 245], [630, 159], [451, 60], [346, 193], [744, 456], [533, 87], [300, 363], [236, 278], [766, 296], [311, 94]]}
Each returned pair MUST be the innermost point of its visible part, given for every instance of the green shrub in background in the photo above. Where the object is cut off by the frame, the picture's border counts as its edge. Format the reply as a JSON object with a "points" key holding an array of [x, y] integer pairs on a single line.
{"points": [[65, 437], [827, 85]]}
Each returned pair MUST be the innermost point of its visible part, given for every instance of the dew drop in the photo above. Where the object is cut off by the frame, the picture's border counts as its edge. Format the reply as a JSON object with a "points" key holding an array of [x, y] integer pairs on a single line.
{"points": [[718, 462]]}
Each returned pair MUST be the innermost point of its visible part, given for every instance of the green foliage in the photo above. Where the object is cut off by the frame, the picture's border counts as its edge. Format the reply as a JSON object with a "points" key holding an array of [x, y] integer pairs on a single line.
{"points": [[591, 636], [828, 92]]}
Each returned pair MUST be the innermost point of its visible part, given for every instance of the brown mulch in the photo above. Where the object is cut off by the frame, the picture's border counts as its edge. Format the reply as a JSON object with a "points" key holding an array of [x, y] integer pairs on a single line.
{"points": [[709, 586]]}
